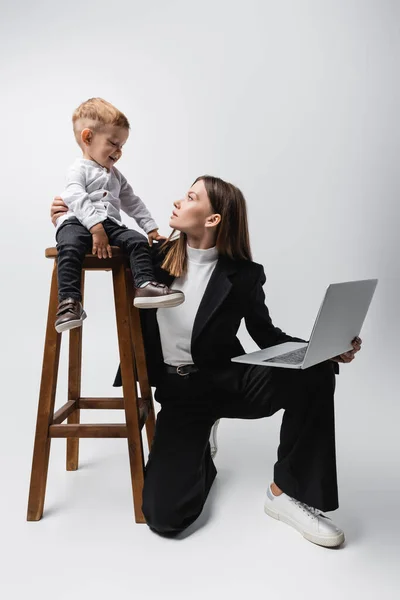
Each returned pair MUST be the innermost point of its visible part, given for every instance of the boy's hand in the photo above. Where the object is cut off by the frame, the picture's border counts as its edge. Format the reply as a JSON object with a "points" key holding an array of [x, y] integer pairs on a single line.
{"points": [[154, 235], [101, 246]]}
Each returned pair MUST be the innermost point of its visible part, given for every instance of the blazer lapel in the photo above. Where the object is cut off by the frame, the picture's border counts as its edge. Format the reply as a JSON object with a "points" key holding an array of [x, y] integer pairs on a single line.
{"points": [[215, 293]]}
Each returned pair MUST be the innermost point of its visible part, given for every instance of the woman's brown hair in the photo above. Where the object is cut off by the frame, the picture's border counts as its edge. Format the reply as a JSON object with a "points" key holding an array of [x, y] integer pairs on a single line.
{"points": [[233, 238]]}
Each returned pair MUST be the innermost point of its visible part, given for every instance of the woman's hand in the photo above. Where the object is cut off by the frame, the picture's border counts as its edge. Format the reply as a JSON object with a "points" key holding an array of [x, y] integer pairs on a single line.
{"points": [[350, 355], [57, 209]]}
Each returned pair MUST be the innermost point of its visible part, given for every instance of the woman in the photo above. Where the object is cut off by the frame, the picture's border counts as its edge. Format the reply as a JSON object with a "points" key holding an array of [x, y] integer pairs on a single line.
{"points": [[189, 350]]}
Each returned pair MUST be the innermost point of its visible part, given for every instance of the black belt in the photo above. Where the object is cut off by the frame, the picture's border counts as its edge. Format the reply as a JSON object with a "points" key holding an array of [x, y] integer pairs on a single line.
{"points": [[182, 370]]}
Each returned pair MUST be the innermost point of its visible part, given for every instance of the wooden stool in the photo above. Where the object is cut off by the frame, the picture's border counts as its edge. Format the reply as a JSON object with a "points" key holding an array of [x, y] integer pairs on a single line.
{"points": [[138, 410]]}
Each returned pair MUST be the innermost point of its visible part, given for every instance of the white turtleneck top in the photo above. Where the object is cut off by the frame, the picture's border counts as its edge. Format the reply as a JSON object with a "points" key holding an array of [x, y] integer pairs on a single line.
{"points": [[176, 324]]}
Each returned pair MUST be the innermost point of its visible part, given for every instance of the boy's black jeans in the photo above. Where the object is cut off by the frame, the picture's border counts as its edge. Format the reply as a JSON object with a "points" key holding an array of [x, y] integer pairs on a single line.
{"points": [[74, 241]]}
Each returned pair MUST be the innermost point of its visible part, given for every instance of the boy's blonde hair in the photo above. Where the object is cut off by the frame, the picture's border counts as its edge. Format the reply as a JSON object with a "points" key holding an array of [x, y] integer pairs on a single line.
{"points": [[94, 113]]}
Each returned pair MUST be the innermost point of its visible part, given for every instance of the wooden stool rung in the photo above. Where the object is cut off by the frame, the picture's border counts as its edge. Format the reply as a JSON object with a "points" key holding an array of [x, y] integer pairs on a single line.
{"points": [[88, 430], [87, 403], [64, 411], [101, 403]]}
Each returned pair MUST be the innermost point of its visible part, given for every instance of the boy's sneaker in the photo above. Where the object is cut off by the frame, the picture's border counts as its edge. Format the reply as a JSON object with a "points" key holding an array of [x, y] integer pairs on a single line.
{"points": [[70, 314], [213, 439], [157, 295], [311, 523]]}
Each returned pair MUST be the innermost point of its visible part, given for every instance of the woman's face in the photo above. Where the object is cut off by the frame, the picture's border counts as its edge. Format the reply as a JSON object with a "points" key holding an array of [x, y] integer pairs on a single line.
{"points": [[191, 214]]}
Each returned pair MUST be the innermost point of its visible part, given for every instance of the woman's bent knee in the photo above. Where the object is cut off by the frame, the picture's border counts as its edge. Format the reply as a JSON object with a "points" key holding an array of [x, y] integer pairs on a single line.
{"points": [[161, 518], [165, 511]]}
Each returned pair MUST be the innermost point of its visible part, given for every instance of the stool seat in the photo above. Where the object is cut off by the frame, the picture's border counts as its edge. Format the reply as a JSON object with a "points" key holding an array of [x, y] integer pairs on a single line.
{"points": [[139, 410], [92, 262], [116, 252]]}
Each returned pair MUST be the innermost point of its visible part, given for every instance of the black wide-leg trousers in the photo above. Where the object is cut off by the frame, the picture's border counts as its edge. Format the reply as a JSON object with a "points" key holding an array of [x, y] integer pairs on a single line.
{"points": [[179, 472]]}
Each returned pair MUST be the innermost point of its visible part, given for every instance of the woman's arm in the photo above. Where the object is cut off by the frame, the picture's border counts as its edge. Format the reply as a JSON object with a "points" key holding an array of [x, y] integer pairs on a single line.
{"points": [[57, 208], [258, 321]]}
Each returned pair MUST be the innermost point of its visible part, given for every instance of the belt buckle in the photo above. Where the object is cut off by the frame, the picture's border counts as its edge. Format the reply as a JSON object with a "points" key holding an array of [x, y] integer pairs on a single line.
{"points": [[179, 372]]}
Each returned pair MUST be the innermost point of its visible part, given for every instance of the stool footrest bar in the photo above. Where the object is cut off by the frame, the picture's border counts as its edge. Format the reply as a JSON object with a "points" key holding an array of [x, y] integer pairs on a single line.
{"points": [[101, 403], [88, 430], [64, 412]]}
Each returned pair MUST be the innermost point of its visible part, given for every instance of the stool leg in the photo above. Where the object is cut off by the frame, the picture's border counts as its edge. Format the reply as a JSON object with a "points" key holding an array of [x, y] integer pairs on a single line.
{"points": [[140, 359], [74, 386], [41, 450], [134, 435]]}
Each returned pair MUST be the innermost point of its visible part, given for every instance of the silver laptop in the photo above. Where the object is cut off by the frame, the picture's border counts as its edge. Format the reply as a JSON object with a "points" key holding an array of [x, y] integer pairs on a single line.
{"points": [[339, 321]]}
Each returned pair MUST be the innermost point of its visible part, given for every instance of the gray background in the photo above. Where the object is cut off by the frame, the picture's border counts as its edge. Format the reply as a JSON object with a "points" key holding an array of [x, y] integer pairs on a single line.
{"points": [[296, 102]]}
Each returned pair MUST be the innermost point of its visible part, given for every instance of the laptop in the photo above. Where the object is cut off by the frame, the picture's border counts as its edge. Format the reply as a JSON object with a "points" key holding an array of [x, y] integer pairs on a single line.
{"points": [[339, 321]]}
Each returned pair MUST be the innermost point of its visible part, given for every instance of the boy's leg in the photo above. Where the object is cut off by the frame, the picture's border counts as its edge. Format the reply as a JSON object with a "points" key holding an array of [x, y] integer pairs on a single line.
{"points": [[73, 242], [136, 246]]}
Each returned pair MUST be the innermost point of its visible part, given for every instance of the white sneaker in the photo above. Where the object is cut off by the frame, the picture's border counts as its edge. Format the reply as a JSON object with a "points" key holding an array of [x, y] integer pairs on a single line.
{"points": [[311, 523], [213, 439]]}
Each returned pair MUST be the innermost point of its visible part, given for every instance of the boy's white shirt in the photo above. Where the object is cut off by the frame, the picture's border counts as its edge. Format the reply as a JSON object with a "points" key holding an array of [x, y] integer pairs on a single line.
{"points": [[86, 184]]}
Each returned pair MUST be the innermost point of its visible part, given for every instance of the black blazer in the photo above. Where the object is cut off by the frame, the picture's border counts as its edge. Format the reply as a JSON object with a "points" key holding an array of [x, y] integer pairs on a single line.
{"points": [[235, 291]]}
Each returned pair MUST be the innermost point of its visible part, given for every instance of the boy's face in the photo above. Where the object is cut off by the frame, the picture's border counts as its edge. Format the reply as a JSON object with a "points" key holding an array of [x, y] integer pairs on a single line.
{"points": [[105, 145]]}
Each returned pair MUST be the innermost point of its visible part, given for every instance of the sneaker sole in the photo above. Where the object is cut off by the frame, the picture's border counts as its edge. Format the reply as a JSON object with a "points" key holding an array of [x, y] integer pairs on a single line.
{"points": [[158, 302], [328, 542], [213, 439], [71, 324]]}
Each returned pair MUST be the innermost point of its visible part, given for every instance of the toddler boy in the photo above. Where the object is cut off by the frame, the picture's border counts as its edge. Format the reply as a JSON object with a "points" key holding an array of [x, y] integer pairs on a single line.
{"points": [[95, 193]]}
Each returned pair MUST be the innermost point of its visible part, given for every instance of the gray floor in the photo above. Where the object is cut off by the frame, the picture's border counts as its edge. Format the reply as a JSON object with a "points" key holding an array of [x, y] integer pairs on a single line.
{"points": [[88, 546]]}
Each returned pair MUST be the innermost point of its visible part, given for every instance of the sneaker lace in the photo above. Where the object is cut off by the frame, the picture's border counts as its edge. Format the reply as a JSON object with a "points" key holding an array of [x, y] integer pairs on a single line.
{"points": [[309, 510]]}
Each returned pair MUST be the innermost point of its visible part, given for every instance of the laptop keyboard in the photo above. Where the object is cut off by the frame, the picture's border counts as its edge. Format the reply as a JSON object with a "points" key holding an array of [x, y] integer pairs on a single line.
{"points": [[293, 358]]}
